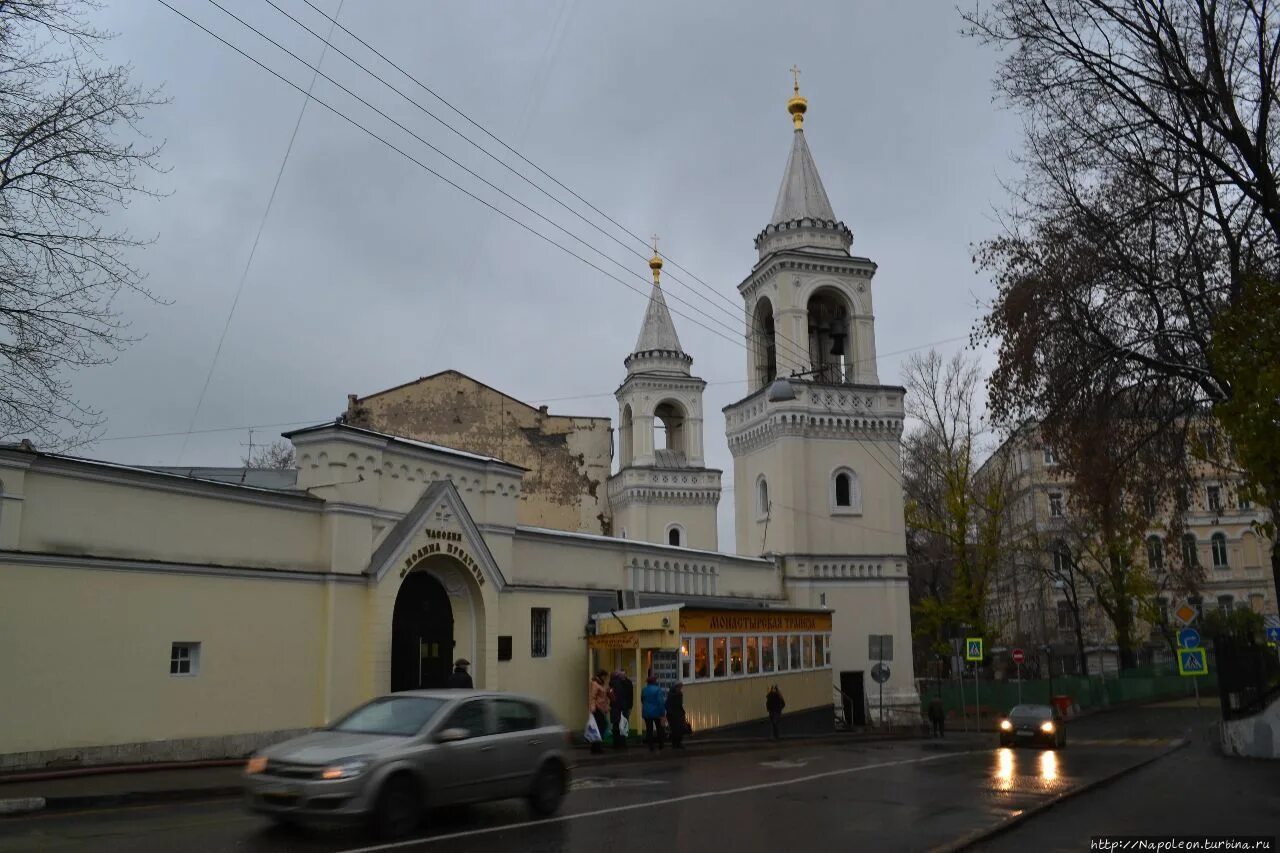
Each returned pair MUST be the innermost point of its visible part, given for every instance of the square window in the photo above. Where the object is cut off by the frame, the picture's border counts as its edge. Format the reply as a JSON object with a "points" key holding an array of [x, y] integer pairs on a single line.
{"points": [[540, 631], [184, 659]]}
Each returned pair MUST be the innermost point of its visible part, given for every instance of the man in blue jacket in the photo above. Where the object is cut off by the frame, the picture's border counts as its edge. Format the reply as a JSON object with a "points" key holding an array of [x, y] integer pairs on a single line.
{"points": [[653, 706]]}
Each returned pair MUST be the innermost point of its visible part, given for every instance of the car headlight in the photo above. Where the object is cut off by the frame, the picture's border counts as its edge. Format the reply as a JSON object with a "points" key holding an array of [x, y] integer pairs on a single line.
{"points": [[344, 770], [256, 764], [1006, 726], [1046, 727]]}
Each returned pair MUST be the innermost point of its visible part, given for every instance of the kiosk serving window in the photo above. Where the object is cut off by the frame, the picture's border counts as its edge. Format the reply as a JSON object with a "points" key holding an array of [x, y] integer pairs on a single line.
{"points": [[735, 644]]}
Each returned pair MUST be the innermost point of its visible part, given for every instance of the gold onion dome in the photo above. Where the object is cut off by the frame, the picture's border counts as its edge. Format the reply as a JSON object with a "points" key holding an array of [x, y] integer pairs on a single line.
{"points": [[798, 105], [655, 263]]}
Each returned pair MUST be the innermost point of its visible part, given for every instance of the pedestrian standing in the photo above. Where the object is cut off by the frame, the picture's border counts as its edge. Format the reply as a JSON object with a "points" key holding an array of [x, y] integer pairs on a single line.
{"points": [[598, 706], [653, 706], [676, 720], [773, 704], [937, 716], [460, 678], [622, 698]]}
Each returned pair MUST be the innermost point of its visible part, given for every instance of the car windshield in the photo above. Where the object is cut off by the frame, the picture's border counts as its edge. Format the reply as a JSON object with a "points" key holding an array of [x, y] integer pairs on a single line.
{"points": [[391, 715], [1031, 711]]}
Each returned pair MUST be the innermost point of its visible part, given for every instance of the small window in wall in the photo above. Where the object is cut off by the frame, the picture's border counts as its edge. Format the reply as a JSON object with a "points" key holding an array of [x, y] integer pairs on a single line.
{"points": [[846, 491], [1213, 498], [504, 647], [762, 497], [540, 631], [184, 659], [1050, 458], [1055, 505], [1155, 553], [675, 535], [822, 599], [1225, 602]]}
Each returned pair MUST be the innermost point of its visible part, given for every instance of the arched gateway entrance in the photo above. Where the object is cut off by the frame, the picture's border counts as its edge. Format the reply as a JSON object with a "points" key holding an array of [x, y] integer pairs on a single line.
{"points": [[421, 634]]}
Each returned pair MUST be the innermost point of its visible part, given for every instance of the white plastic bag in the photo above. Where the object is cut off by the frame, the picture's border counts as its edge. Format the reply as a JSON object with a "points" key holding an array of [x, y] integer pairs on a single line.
{"points": [[592, 732], [624, 727]]}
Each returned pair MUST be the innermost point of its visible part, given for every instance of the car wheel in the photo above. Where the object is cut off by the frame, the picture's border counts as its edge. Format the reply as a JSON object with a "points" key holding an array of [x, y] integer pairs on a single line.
{"points": [[398, 809], [548, 790]]}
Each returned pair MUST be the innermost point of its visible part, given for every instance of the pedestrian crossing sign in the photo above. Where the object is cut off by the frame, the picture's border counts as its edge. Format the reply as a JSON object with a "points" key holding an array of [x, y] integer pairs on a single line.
{"points": [[1192, 662], [973, 648]]}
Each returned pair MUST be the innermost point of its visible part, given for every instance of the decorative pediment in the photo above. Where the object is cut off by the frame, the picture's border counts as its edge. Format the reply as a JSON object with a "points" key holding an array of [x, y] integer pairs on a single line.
{"points": [[437, 524]]}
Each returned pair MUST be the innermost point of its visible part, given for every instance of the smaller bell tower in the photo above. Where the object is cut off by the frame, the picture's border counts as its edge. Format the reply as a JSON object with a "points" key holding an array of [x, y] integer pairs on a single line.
{"points": [[663, 491]]}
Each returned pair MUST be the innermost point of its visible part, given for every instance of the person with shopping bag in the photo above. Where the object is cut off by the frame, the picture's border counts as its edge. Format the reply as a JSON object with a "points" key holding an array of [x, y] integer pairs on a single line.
{"points": [[598, 709], [621, 701]]}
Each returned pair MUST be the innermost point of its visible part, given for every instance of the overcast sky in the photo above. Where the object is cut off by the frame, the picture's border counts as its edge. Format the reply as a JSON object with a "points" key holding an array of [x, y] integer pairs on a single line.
{"points": [[668, 116]]}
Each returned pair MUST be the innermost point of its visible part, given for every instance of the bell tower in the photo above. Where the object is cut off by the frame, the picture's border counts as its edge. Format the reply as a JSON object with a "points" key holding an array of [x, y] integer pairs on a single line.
{"points": [[815, 443], [663, 491]]}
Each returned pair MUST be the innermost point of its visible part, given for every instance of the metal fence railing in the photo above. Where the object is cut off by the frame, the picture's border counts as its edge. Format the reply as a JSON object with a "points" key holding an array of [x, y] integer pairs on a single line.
{"points": [[1248, 675]]}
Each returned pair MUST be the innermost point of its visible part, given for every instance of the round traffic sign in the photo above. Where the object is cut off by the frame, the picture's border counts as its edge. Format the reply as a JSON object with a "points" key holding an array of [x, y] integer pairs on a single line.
{"points": [[1018, 656], [880, 673], [1188, 638]]}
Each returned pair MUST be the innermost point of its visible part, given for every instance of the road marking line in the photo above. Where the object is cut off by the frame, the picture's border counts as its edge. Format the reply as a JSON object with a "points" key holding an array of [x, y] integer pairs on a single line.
{"points": [[488, 830]]}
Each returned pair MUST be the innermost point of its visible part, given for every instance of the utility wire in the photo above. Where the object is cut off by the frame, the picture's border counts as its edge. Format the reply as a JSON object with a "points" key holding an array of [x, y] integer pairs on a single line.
{"points": [[737, 308], [626, 269], [534, 399], [432, 171], [262, 223]]}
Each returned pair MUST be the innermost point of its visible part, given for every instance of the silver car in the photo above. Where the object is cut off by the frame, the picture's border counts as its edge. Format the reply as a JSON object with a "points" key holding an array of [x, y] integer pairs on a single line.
{"points": [[390, 760]]}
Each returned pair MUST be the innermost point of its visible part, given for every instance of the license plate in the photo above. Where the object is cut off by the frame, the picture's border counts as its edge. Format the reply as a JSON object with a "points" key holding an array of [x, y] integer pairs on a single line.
{"points": [[281, 793]]}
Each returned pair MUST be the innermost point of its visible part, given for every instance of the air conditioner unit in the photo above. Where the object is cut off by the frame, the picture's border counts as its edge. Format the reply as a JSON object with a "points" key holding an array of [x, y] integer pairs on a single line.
{"points": [[628, 599]]}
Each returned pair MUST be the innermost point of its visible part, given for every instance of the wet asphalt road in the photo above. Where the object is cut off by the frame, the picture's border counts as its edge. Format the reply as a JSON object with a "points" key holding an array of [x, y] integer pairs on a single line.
{"points": [[906, 795]]}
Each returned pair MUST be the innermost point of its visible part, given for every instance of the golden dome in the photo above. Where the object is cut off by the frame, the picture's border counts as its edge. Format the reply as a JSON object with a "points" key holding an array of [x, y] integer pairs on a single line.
{"points": [[798, 105], [655, 263]]}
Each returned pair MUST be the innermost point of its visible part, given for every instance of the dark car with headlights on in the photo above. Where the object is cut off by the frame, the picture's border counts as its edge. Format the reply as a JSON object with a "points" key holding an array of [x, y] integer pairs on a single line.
{"points": [[1036, 724], [393, 758]]}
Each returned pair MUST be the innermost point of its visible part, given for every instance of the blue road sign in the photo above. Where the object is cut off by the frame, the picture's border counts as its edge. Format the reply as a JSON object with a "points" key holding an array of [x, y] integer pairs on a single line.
{"points": [[1189, 638], [1192, 662], [1273, 634]]}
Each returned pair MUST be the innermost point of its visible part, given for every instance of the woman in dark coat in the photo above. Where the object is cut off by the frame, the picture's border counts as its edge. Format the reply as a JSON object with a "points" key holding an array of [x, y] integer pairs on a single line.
{"points": [[676, 720]]}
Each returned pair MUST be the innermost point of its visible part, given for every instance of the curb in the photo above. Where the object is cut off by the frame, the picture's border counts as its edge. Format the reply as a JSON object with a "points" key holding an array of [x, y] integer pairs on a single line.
{"points": [[580, 762], [968, 841], [108, 769]]}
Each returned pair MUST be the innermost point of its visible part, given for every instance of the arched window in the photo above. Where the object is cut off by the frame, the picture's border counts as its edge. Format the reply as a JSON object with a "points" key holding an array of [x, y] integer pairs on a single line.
{"points": [[762, 497], [829, 323], [764, 343], [1219, 544], [846, 491], [1190, 551], [668, 429], [1155, 553], [675, 535], [626, 437]]}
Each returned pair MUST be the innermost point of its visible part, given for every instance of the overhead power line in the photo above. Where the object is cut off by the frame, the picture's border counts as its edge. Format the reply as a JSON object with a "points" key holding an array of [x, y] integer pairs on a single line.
{"points": [[736, 307], [411, 158], [253, 249]]}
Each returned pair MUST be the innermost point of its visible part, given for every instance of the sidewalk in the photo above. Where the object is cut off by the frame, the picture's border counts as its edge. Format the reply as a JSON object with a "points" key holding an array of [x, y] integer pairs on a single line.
{"points": [[104, 787]]}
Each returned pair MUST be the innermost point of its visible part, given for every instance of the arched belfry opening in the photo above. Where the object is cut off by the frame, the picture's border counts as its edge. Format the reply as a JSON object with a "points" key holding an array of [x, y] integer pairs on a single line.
{"points": [[421, 634], [669, 440], [829, 337], [764, 343]]}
